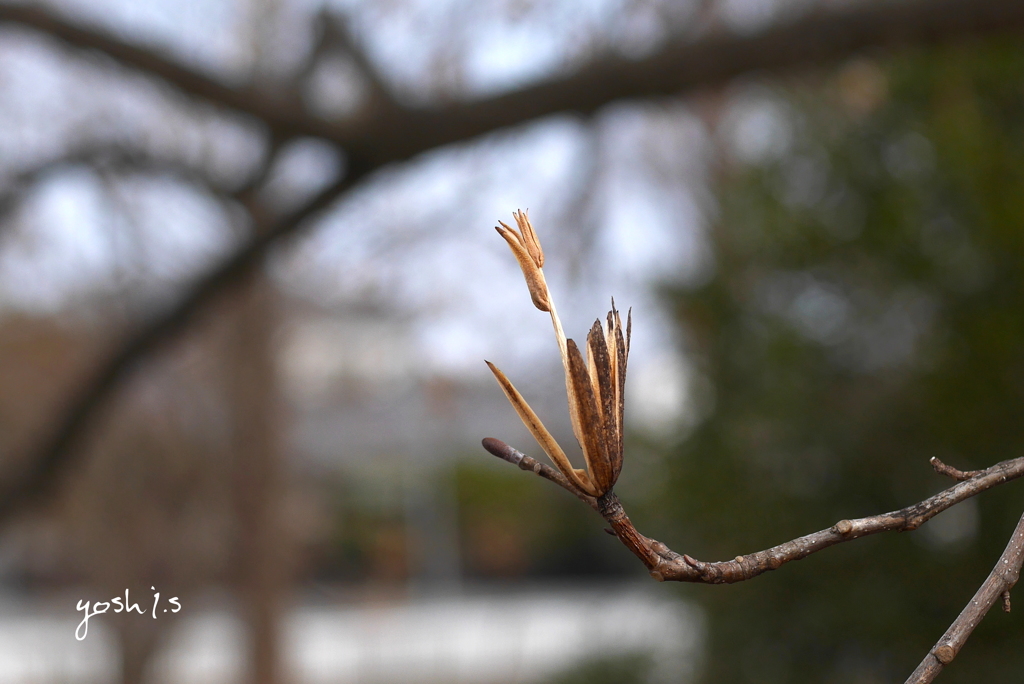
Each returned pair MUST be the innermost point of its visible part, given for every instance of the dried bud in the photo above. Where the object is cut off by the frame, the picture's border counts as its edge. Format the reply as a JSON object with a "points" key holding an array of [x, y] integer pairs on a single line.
{"points": [[595, 386], [530, 256], [529, 237]]}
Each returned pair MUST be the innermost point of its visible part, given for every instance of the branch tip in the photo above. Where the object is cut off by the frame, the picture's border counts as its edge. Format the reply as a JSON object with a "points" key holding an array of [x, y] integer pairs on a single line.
{"points": [[501, 450], [951, 472]]}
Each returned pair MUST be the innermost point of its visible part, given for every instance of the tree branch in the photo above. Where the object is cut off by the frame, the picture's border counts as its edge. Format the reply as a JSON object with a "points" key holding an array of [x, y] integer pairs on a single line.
{"points": [[998, 584], [949, 471], [393, 133], [518, 458], [665, 564], [336, 34], [102, 156], [245, 99]]}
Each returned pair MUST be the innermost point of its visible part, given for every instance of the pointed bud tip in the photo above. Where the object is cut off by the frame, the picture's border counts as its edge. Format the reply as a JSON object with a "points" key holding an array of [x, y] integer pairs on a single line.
{"points": [[503, 451]]}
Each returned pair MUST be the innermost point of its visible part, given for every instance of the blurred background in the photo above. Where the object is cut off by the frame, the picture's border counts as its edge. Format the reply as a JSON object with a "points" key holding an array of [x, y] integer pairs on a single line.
{"points": [[248, 279]]}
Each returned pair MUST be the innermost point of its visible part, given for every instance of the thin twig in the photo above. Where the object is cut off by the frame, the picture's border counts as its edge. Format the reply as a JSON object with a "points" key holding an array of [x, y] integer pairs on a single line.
{"points": [[949, 471], [1002, 578], [667, 565], [518, 458]]}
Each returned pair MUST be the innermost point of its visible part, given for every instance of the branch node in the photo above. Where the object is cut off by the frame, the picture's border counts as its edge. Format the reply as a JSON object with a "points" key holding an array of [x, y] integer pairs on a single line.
{"points": [[843, 527], [944, 654], [1006, 601]]}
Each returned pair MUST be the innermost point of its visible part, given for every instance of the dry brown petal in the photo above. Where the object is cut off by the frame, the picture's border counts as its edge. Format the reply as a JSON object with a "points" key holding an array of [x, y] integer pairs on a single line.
{"points": [[622, 355], [605, 386], [591, 425], [595, 387], [540, 433], [530, 240]]}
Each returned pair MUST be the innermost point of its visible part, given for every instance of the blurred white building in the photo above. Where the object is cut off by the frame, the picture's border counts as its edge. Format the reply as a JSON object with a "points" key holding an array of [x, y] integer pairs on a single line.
{"points": [[521, 636]]}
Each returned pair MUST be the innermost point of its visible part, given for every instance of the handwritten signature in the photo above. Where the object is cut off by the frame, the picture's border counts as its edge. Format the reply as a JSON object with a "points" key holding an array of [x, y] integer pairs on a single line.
{"points": [[119, 605]]}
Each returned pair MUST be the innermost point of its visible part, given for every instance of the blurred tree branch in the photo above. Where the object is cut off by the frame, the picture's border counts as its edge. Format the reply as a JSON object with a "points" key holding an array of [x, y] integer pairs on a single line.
{"points": [[335, 35], [107, 156], [38, 473], [392, 132]]}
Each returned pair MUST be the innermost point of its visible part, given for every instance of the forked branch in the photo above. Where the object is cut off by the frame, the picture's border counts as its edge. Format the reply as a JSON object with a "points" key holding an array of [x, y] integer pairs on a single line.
{"points": [[600, 436], [665, 564]]}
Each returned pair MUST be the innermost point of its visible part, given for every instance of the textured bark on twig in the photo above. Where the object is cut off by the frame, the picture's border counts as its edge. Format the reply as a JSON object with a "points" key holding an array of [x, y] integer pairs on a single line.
{"points": [[667, 565], [949, 471], [997, 586]]}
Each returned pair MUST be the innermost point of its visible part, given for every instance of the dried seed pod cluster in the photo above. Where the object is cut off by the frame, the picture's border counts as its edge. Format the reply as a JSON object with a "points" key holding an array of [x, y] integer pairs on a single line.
{"points": [[595, 385]]}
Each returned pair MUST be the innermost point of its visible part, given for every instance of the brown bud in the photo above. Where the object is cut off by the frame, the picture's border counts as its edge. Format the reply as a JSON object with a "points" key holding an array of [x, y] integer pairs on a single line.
{"points": [[528, 262]]}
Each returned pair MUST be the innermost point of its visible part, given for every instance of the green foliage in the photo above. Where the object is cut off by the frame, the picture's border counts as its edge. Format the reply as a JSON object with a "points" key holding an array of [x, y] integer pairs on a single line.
{"points": [[632, 668], [515, 524], [867, 313]]}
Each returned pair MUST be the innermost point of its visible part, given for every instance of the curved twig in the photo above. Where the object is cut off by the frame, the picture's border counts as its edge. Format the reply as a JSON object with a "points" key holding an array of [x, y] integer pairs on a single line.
{"points": [[667, 565]]}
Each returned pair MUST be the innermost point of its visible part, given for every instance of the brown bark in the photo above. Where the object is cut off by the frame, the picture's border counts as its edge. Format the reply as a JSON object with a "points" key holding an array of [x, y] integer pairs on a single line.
{"points": [[665, 564], [997, 586], [671, 566]]}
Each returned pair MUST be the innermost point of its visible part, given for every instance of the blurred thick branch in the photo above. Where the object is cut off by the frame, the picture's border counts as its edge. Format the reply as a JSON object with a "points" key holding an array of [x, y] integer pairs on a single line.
{"points": [[392, 132]]}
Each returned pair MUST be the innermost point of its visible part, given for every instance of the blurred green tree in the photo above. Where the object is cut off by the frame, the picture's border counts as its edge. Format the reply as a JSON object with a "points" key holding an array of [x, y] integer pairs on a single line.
{"points": [[866, 313]]}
